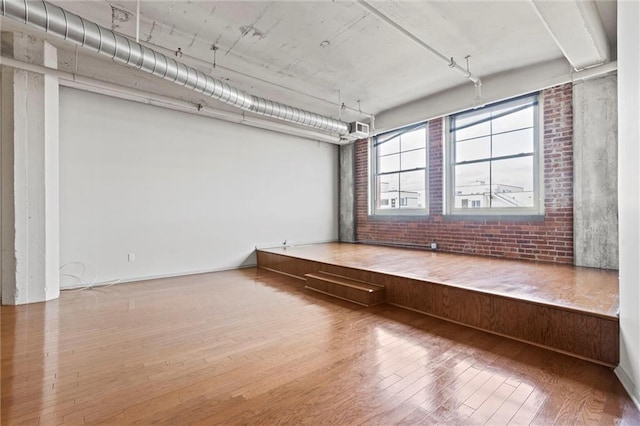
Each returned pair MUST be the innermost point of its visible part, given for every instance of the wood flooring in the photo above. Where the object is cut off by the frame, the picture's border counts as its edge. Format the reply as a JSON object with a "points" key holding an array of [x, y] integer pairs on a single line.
{"points": [[254, 347], [566, 286], [569, 309]]}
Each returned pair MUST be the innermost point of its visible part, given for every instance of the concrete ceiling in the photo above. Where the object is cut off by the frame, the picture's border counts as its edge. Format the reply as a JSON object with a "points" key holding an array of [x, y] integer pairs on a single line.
{"points": [[320, 54]]}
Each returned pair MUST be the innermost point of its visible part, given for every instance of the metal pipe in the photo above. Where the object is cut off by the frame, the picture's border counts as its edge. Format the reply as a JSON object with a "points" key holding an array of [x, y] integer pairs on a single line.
{"points": [[449, 61], [69, 26], [76, 81], [192, 59]]}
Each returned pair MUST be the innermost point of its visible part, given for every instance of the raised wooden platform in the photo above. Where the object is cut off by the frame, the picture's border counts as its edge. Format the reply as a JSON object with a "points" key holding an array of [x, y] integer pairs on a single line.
{"points": [[568, 309]]}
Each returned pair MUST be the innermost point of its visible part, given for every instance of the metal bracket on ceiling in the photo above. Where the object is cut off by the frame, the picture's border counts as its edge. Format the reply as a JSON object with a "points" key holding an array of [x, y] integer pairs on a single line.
{"points": [[137, 21], [215, 50]]}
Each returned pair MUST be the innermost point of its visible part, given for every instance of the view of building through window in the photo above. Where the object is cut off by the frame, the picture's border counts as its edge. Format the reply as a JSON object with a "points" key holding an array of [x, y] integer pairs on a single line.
{"points": [[400, 169], [493, 156]]}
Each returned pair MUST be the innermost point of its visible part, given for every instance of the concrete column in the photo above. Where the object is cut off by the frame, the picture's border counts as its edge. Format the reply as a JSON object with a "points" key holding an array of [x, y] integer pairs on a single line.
{"points": [[30, 206], [347, 221], [595, 168]]}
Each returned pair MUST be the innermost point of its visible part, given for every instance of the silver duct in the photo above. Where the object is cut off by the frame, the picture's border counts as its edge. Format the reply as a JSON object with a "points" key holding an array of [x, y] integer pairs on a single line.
{"points": [[69, 26]]}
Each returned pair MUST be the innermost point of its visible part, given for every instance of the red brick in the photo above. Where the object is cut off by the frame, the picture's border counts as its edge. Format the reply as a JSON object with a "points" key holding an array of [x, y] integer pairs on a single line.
{"points": [[549, 240]]}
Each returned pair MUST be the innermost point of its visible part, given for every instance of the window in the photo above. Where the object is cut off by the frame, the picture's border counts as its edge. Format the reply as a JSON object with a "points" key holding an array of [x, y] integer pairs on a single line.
{"points": [[494, 159], [399, 171]]}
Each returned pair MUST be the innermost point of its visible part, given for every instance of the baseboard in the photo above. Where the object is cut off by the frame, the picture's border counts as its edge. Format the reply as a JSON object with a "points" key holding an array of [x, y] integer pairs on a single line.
{"points": [[157, 277], [181, 274], [628, 385]]}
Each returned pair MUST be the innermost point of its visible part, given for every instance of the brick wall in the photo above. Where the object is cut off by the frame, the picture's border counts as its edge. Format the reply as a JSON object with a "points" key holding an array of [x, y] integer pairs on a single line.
{"points": [[548, 240]]}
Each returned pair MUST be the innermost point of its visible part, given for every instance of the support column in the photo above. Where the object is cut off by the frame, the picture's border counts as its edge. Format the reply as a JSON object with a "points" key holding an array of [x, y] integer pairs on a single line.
{"points": [[347, 221], [30, 194], [595, 168]]}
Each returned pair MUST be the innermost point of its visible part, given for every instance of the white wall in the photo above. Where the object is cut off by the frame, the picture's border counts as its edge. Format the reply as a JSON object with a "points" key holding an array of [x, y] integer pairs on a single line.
{"points": [[629, 193], [182, 192]]}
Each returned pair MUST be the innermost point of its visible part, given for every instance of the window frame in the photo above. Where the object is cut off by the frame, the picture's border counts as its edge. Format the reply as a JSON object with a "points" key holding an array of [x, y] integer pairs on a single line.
{"points": [[538, 161], [373, 175]]}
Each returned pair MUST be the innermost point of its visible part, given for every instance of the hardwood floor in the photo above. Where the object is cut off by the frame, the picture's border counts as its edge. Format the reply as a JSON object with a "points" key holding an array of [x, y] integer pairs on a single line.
{"points": [[584, 289], [255, 347], [565, 308]]}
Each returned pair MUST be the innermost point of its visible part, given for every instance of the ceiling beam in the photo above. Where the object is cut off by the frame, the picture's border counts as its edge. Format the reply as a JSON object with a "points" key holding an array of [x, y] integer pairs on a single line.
{"points": [[577, 29]]}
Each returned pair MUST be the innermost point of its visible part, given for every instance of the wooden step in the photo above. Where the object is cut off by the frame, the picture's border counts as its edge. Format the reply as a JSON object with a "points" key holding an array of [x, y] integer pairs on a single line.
{"points": [[355, 291]]}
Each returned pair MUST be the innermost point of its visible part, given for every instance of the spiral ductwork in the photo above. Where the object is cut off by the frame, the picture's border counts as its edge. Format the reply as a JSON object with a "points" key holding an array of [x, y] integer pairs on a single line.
{"points": [[69, 26]]}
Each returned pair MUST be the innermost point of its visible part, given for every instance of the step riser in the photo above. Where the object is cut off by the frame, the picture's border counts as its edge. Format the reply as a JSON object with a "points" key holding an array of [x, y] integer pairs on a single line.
{"points": [[360, 297]]}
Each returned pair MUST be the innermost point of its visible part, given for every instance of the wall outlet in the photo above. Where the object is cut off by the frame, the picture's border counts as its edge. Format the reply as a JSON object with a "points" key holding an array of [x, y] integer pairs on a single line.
{"points": [[434, 246], [131, 257]]}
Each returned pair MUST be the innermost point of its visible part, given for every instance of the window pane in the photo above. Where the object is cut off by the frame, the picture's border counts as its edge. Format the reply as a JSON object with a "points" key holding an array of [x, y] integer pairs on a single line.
{"points": [[389, 147], [388, 187], [473, 149], [412, 181], [476, 131], [389, 163], [488, 183], [412, 189], [413, 159], [468, 118], [401, 164], [513, 121], [513, 143], [415, 139], [516, 172], [389, 182], [472, 184], [512, 183]]}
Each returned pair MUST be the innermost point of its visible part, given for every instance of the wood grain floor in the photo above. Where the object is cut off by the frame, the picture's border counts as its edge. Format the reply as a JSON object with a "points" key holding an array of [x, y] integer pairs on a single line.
{"points": [[584, 289], [255, 347], [568, 309]]}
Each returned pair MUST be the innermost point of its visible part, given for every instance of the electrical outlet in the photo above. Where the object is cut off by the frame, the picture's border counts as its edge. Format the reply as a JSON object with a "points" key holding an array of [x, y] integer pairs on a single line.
{"points": [[434, 246], [132, 257]]}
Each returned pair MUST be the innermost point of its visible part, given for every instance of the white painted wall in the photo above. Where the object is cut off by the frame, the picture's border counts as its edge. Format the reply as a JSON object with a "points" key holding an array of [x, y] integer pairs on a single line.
{"points": [[184, 193], [629, 194]]}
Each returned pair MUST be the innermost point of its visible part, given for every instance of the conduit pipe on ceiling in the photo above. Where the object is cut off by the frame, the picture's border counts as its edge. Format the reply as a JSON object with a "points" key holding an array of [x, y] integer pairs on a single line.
{"points": [[69, 26], [186, 58], [88, 84], [449, 61]]}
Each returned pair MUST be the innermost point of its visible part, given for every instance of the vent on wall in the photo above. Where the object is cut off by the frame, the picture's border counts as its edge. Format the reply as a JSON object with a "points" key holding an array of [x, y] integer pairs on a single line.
{"points": [[357, 130]]}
